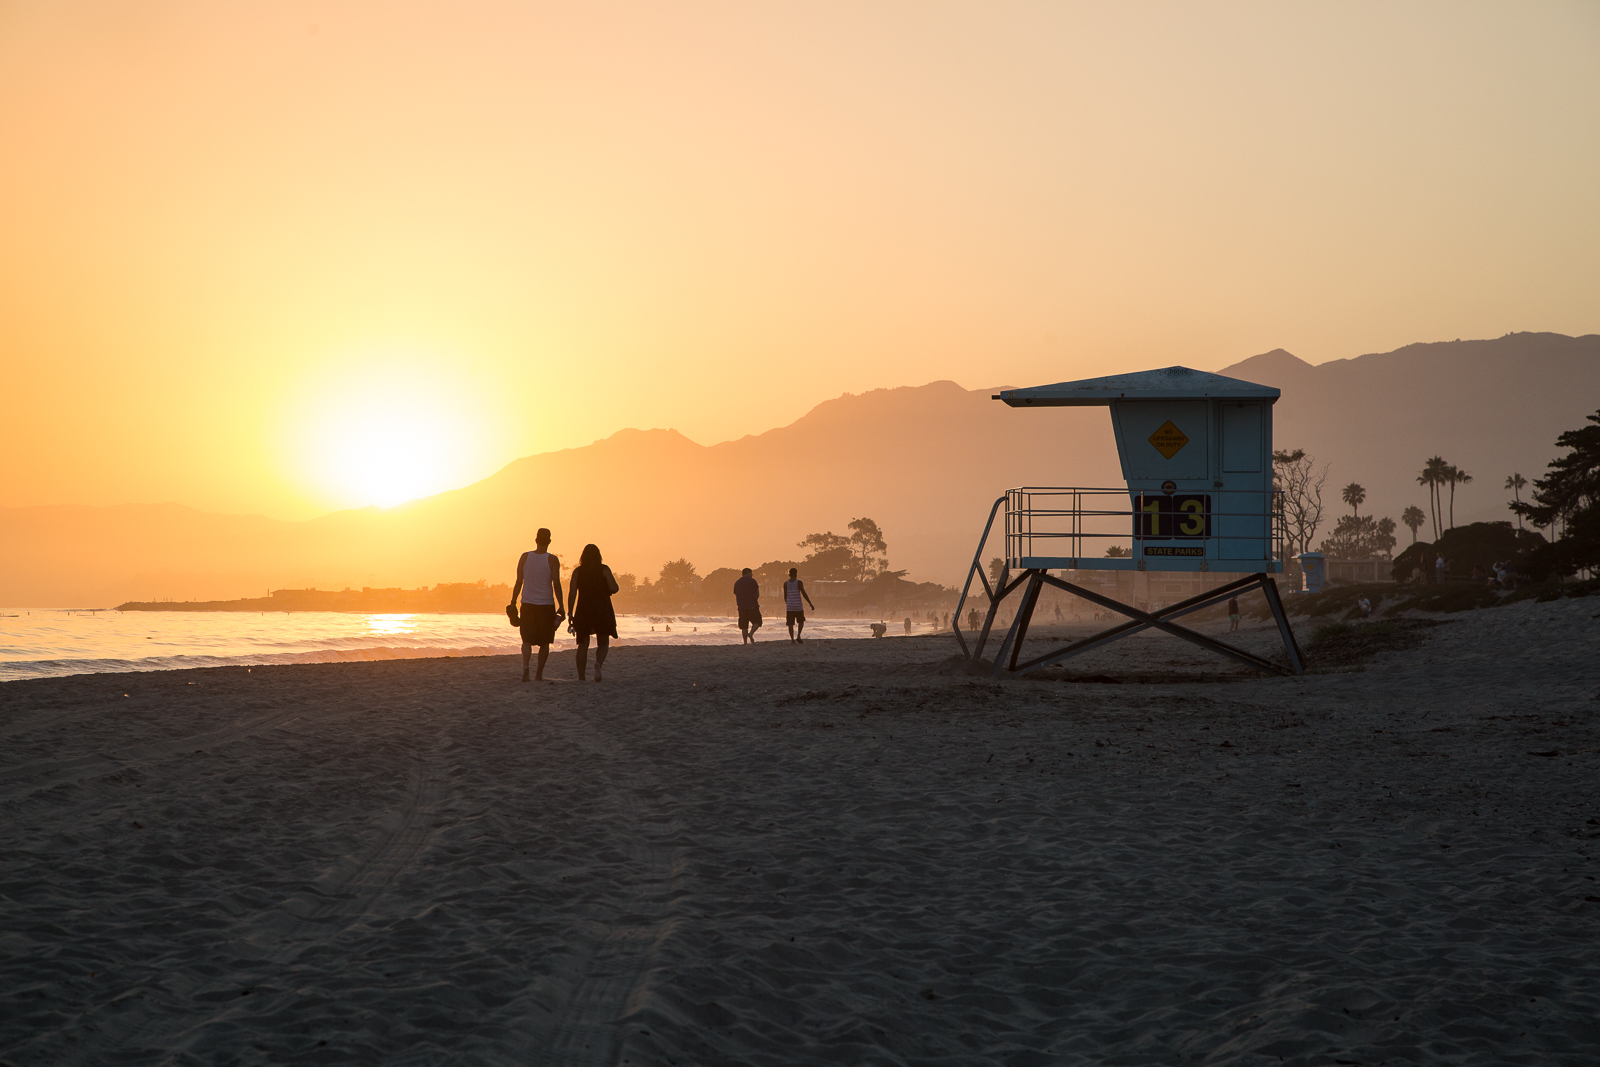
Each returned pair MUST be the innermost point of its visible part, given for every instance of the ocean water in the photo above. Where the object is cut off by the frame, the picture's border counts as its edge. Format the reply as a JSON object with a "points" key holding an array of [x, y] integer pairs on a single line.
{"points": [[40, 643]]}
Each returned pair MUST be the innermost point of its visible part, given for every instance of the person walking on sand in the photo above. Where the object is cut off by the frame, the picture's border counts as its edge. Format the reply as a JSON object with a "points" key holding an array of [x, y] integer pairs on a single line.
{"points": [[589, 595], [539, 583], [793, 590], [1439, 567], [747, 597], [1233, 614]]}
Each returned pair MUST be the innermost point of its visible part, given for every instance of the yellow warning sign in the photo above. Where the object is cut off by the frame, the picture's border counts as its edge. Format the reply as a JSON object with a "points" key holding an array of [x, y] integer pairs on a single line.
{"points": [[1168, 439]]}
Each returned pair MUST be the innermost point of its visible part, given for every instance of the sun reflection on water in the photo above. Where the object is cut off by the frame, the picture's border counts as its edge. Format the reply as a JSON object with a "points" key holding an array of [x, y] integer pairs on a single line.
{"points": [[389, 625]]}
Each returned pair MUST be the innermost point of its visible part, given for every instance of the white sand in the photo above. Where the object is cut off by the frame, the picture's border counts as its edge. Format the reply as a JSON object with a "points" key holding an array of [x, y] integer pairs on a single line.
{"points": [[839, 853]]}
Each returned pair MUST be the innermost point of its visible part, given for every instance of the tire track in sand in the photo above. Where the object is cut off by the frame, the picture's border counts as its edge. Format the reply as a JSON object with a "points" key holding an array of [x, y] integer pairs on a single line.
{"points": [[622, 940], [363, 880]]}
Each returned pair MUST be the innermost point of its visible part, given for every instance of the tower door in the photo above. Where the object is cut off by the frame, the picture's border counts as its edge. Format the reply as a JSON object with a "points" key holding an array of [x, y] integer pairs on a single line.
{"points": [[1243, 523]]}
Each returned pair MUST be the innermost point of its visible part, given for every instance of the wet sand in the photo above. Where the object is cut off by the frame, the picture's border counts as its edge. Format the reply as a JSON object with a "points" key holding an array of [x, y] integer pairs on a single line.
{"points": [[844, 852]]}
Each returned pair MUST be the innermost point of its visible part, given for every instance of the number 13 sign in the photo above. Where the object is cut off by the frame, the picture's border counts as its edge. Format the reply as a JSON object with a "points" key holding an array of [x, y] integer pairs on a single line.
{"points": [[1180, 515]]}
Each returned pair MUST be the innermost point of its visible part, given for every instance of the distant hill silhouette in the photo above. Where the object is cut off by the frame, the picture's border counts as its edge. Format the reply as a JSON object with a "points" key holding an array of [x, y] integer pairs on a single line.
{"points": [[924, 461], [1489, 407]]}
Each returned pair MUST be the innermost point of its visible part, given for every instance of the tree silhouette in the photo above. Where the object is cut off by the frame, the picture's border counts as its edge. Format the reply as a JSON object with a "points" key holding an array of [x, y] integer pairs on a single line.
{"points": [[1517, 483], [1569, 494], [833, 565], [677, 577], [1357, 538], [1295, 475], [868, 542], [821, 542], [1432, 477], [1414, 518], [1453, 477], [1426, 480], [1385, 539], [1353, 495]]}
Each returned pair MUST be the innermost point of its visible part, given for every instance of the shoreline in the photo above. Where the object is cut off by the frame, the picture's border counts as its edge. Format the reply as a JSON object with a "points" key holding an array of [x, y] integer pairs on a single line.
{"points": [[56, 644]]}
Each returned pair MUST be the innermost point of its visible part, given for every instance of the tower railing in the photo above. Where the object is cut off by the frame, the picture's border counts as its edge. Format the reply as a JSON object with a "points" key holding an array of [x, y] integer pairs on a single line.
{"points": [[1080, 523]]}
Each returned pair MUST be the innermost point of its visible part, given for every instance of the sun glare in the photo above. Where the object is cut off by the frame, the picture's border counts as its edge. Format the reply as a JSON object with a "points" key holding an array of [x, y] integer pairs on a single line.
{"points": [[387, 433], [387, 458]]}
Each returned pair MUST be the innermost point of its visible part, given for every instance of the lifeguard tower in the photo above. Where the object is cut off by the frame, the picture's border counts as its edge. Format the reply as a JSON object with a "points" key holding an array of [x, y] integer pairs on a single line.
{"points": [[1196, 452]]}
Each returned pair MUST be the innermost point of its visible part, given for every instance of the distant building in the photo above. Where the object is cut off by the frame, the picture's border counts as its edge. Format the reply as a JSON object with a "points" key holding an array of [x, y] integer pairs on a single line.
{"points": [[1355, 571]]}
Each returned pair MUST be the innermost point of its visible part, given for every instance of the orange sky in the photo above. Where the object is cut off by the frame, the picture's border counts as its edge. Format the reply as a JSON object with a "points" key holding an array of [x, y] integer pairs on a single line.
{"points": [[281, 258]]}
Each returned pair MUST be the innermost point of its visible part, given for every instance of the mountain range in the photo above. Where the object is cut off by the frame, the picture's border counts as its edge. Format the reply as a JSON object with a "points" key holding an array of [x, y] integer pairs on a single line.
{"points": [[925, 462]]}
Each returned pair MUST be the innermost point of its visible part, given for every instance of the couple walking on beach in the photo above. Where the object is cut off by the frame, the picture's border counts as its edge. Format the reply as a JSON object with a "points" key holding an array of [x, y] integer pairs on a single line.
{"points": [[588, 595], [747, 595]]}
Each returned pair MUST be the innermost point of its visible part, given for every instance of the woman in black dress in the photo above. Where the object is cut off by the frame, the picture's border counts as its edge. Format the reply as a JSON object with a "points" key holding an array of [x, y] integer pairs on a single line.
{"points": [[589, 600]]}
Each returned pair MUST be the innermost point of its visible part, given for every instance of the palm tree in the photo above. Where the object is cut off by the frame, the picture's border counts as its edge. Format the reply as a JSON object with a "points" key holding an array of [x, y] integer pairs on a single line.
{"points": [[1353, 495], [1455, 476], [1432, 476], [1414, 518], [1516, 483], [1425, 479]]}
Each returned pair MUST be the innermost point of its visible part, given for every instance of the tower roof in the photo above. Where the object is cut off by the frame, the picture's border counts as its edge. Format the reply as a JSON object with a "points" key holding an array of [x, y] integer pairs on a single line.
{"points": [[1168, 383]]}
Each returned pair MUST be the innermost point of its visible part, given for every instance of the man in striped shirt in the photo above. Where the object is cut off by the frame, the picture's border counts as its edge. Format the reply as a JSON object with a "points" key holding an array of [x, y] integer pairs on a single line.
{"points": [[793, 590]]}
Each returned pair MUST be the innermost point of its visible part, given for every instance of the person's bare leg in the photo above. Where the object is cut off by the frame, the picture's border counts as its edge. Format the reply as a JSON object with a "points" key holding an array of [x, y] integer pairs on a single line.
{"points": [[583, 658], [527, 653], [800, 631], [544, 654], [602, 646]]}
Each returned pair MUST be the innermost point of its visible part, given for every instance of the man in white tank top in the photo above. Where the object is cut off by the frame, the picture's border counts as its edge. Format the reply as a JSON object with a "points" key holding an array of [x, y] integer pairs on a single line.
{"points": [[539, 583], [793, 590]]}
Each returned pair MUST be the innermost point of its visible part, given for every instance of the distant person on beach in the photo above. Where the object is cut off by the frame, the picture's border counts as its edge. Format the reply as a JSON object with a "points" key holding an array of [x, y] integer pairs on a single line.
{"points": [[1233, 614], [539, 583], [592, 615], [747, 596], [972, 619], [1365, 605], [793, 590], [1439, 567]]}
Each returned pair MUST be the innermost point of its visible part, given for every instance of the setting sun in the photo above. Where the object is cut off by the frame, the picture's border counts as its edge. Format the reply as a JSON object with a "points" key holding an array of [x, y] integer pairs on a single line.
{"points": [[386, 430]]}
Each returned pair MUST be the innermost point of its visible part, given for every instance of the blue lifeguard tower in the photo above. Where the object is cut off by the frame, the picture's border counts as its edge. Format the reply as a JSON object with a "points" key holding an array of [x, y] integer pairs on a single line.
{"points": [[1196, 453]]}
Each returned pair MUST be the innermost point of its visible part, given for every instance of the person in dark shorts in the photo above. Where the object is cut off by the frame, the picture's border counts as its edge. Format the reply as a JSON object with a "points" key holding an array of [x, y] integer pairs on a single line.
{"points": [[589, 596], [747, 595], [793, 590], [539, 584]]}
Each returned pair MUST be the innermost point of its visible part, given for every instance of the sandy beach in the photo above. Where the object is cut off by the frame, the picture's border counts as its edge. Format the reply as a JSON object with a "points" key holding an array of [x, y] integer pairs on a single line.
{"points": [[844, 852]]}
